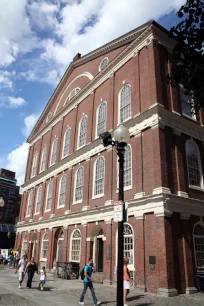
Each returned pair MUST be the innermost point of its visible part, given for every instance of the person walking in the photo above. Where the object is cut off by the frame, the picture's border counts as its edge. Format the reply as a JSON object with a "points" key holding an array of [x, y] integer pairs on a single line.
{"points": [[126, 279], [31, 268], [42, 278], [21, 269], [88, 270]]}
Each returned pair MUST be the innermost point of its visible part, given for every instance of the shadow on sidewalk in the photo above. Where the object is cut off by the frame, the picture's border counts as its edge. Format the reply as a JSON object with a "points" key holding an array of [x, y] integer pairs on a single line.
{"points": [[135, 297]]}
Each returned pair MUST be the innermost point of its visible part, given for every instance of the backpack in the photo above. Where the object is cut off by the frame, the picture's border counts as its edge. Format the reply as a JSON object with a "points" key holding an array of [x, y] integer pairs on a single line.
{"points": [[82, 274]]}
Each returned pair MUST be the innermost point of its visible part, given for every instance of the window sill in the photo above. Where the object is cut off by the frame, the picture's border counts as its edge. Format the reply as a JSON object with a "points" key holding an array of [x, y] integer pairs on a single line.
{"points": [[27, 216], [43, 259], [196, 188], [98, 196], [78, 148], [125, 188], [35, 214], [124, 120], [191, 118], [47, 210], [64, 156], [42, 171], [58, 207], [77, 202], [52, 165]]}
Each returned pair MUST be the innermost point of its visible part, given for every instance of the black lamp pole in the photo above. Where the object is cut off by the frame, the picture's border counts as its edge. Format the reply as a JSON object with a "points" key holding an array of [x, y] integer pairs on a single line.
{"points": [[120, 152]]}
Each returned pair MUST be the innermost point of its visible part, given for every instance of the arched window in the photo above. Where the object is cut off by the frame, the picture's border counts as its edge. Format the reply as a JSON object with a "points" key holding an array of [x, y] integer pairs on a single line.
{"points": [[29, 203], [73, 93], [103, 64], [66, 143], [128, 242], [194, 164], [49, 117], [49, 196], [38, 200], [79, 182], [54, 152], [82, 132], [62, 191], [43, 159], [24, 246], [75, 246], [128, 167], [198, 237], [44, 249], [101, 120], [34, 167], [125, 103], [99, 176]]}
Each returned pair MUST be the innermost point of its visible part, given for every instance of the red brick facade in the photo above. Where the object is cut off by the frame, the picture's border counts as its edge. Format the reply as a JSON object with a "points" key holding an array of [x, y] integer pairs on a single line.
{"points": [[163, 206]]}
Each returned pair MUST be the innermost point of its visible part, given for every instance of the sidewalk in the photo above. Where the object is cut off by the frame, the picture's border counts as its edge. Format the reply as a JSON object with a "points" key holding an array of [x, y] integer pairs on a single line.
{"points": [[67, 292]]}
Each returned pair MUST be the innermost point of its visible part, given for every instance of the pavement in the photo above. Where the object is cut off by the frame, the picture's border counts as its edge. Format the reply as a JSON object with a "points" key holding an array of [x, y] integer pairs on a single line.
{"points": [[67, 292]]}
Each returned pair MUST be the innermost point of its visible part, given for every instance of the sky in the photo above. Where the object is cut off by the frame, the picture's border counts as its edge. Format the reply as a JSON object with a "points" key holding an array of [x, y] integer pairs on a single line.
{"points": [[39, 38]]}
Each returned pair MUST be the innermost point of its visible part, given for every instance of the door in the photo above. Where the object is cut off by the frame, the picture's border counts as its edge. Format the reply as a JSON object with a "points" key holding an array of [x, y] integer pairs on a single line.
{"points": [[99, 255], [60, 250]]}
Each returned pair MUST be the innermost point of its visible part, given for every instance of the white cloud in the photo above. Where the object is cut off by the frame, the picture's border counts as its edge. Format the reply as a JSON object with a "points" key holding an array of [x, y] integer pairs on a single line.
{"points": [[15, 102], [6, 79], [29, 123], [16, 161]]}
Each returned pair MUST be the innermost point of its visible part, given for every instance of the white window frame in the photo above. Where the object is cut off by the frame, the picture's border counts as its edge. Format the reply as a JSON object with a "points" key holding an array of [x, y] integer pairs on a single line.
{"points": [[131, 266], [97, 117], [194, 244], [79, 130], [58, 202], [55, 140], [201, 187], [193, 116], [48, 187], [100, 68], [34, 165], [119, 104], [29, 203], [129, 187], [38, 200], [67, 130], [71, 243], [24, 241], [43, 159], [42, 247], [75, 181], [94, 178], [73, 93]]}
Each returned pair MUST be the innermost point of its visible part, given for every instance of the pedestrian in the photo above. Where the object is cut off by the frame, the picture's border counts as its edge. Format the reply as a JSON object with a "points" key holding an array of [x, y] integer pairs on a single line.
{"points": [[21, 269], [88, 270], [42, 278], [1, 259], [10, 260], [17, 258], [31, 268], [126, 279]]}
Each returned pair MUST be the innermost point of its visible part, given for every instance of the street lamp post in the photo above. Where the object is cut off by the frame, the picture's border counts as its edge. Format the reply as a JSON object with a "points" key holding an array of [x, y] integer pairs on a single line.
{"points": [[121, 137]]}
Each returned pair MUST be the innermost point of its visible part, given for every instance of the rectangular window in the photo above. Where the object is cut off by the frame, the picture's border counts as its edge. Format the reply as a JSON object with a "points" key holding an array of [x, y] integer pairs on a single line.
{"points": [[75, 254], [187, 109], [45, 249]]}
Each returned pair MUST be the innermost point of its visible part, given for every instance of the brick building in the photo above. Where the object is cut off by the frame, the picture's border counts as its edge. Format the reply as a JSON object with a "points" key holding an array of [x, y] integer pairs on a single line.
{"points": [[71, 179], [9, 213]]}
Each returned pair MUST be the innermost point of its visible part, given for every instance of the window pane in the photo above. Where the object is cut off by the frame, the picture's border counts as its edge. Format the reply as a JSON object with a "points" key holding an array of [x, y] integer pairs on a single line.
{"points": [[62, 191], [49, 196], [54, 151], [99, 176], [43, 160], [104, 63], [66, 142], [79, 184], [125, 103], [193, 165], [82, 133], [75, 246], [38, 202], [102, 119], [128, 167]]}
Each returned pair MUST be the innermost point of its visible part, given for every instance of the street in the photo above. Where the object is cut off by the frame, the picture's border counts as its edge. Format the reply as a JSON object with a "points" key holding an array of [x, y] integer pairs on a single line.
{"points": [[62, 292]]}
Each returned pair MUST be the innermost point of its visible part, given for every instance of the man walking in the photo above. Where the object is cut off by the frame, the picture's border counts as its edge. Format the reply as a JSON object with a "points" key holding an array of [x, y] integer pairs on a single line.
{"points": [[21, 269], [88, 270]]}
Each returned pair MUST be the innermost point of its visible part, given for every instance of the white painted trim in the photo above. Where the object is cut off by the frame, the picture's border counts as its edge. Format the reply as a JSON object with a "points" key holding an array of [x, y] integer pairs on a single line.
{"points": [[68, 98], [79, 129], [75, 179], [139, 195], [96, 127], [99, 68], [38, 212], [45, 148], [129, 187], [52, 152], [161, 190], [94, 177], [63, 156], [59, 189], [84, 74], [201, 187], [70, 251], [119, 104], [47, 188], [182, 194], [36, 154]]}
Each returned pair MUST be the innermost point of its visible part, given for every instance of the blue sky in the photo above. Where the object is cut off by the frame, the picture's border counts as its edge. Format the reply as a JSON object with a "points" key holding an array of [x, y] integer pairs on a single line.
{"points": [[39, 38]]}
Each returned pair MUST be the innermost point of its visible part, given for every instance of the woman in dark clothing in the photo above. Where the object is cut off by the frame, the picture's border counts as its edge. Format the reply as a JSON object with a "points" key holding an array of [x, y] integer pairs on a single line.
{"points": [[31, 268]]}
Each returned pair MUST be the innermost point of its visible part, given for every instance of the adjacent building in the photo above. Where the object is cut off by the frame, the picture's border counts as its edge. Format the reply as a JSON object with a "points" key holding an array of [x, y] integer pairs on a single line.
{"points": [[9, 212], [71, 179]]}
